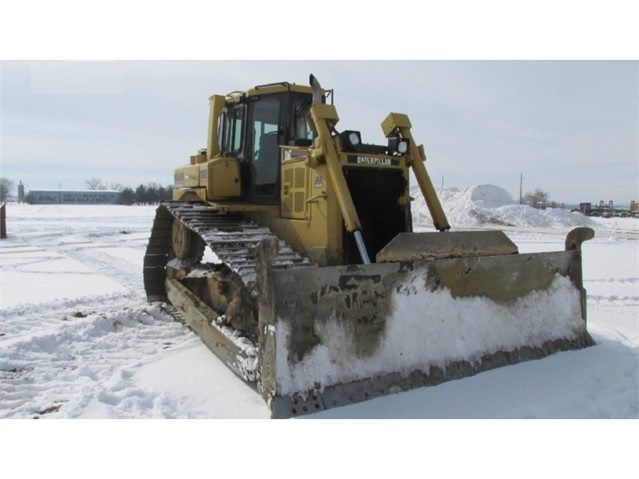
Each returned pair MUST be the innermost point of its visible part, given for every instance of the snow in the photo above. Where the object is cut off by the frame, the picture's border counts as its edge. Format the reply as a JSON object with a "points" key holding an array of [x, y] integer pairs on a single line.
{"points": [[79, 340], [491, 205]]}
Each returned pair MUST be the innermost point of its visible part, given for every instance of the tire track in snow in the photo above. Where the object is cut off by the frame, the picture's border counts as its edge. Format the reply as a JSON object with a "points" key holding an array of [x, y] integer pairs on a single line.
{"points": [[613, 291], [87, 357], [613, 300], [69, 356], [624, 281], [89, 250], [120, 270]]}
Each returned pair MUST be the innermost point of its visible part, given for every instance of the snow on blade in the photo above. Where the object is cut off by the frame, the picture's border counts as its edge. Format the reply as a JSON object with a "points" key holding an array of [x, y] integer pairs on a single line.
{"points": [[435, 329]]}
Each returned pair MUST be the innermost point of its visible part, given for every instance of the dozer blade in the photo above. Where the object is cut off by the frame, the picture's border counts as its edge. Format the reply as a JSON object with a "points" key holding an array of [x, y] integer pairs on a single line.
{"points": [[332, 336], [457, 244]]}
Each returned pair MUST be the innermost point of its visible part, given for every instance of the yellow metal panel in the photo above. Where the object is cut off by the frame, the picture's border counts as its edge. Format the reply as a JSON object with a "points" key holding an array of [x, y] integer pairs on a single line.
{"points": [[222, 177], [317, 229], [288, 172], [326, 112], [216, 105], [394, 121], [279, 88], [189, 194], [294, 190], [199, 158], [299, 203]]}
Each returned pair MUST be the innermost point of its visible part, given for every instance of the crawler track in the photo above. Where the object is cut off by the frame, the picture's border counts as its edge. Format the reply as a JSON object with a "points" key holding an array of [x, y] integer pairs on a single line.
{"points": [[232, 237]]}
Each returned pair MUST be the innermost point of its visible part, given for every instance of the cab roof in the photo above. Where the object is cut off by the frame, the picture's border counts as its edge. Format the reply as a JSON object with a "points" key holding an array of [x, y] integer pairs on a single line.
{"points": [[270, 88]]}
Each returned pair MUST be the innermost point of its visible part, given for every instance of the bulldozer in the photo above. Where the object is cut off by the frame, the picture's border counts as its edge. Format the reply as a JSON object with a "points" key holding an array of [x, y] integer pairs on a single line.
{"points": [[288, 248]]}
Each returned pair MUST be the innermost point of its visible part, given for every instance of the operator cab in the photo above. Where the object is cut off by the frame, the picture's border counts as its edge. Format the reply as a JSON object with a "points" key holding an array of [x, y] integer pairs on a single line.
{"points": [[253, 129]]}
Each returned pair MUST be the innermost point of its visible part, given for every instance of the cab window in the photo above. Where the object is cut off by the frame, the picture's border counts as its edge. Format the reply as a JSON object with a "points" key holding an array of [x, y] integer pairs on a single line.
{"points": [[266, 154], [230, 130], [300, 131]]}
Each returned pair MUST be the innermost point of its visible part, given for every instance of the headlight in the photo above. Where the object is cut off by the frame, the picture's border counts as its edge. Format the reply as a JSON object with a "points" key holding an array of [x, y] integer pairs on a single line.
{"points": [[397, 145], [351, 139]]}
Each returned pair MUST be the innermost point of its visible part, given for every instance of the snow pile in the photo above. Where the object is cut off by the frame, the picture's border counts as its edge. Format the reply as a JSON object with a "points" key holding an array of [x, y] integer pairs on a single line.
{"points": [[489, 205]]}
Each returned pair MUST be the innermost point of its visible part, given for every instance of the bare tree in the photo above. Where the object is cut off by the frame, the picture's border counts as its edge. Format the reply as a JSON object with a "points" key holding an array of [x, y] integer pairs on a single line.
{"points": [[539, 197], [6, 186], [95, 184]]}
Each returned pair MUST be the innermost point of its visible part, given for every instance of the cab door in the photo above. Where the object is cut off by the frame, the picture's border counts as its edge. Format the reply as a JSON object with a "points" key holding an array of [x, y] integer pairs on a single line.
{"points": [[266, 131]]}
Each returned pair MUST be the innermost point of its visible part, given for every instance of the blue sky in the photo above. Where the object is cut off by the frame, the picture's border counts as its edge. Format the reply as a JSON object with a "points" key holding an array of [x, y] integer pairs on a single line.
{"points": [[493, 92]]}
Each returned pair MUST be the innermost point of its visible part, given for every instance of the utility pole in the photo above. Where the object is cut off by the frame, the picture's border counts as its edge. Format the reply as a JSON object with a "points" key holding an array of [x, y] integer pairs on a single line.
{"points": [[521, 188]]}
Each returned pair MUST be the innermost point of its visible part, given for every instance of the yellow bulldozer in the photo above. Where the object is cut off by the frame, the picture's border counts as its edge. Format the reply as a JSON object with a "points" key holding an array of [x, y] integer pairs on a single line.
{"points": [[289, 249]]}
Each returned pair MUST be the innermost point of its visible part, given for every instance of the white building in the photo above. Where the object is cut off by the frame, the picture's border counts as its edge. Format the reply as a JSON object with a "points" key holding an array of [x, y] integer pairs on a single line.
{"points": [[78, 197]]}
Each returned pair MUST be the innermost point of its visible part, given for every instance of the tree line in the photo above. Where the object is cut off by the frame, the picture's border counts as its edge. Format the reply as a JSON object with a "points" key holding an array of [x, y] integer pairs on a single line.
{"points": [[143, 194]]}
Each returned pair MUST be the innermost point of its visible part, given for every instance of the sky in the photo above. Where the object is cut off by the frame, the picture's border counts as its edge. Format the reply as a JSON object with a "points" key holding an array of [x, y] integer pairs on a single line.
{"points": [[565, 125]]}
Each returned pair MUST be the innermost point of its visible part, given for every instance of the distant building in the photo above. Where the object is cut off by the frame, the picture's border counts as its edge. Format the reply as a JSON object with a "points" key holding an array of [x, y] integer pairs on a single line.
{"points": [[609, 210], [586, 208], [73, 197]]}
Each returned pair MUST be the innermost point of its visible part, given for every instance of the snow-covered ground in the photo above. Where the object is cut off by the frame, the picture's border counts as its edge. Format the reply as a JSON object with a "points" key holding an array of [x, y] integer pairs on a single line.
{"points": [[78, 340]]}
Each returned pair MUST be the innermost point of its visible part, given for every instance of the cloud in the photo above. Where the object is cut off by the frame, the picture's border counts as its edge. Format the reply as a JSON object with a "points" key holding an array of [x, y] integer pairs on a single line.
{"points": [[77, 78], [480, 122]]}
